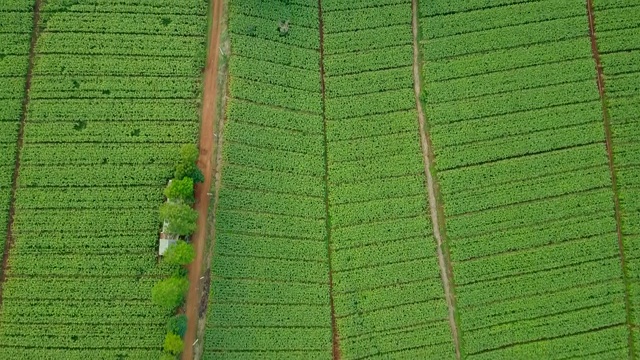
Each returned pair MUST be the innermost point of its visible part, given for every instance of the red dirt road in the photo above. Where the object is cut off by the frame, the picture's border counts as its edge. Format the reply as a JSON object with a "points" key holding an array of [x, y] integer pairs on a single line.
{"points": [[205, 162]]}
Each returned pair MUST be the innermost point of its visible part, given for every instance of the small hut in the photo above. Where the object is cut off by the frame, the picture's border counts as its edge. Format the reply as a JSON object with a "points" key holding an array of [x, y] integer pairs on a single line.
{"points": [[166, 239]]}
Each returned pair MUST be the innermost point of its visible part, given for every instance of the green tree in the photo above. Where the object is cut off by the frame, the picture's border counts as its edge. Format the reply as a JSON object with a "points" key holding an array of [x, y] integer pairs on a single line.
{"points": [[173, 344], [180, 190], [187, 166], [189, 153], [169, 293], [181, 217], [179, 253], [177, 325], [189, 170]]}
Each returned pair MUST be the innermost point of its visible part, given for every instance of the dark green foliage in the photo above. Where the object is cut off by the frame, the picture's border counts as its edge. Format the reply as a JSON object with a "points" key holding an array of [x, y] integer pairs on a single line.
{"points": [[181, 218], [177, 325], [187, 167]]}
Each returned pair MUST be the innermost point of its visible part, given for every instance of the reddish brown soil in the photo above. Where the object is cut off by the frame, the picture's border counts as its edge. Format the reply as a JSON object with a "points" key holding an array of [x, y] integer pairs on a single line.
{"points": [[609, 144], [205, 162], [23, 117], [334, 325], [436, 210]]}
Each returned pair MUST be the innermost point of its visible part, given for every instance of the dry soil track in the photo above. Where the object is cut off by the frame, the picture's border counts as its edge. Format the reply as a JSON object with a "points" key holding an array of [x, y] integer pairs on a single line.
{"points": [[334, 326], [23, 117], [205, 162], [612, 170], [435, 210]]}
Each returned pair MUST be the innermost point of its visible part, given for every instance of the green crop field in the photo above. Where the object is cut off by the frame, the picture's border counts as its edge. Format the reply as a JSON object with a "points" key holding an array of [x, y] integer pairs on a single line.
{"points": [[619, 44], [16, 18], [516, 124], [114, 93], [517, 128], [400, 179]]}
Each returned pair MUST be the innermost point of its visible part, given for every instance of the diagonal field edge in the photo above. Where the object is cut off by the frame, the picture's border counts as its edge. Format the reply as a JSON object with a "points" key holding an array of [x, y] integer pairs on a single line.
{"points": [[436, 210], [609, 144], [23, 117], [334, 326]]}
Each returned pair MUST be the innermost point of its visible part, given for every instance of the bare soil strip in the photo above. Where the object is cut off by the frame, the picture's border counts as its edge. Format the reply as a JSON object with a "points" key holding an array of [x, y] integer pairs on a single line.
{"points": [[334, 325], [609, 144], [205, 162], [23, 117], [436, 210]]}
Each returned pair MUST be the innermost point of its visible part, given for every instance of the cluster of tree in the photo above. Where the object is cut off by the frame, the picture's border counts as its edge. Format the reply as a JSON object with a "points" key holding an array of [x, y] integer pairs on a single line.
{"points": [[170, 293], [178, 211]]}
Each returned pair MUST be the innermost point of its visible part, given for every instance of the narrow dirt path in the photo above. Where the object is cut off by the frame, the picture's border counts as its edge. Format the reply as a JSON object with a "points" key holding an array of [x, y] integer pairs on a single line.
{"points": [[205, 162], [609, 144], [334, 325], [437, 213], [23, 118]]}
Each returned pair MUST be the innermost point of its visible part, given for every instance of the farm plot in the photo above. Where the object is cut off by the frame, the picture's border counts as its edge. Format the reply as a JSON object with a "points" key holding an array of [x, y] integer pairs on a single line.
{"points": [[270, 273], [16, 18], [114, 94], [295, 154], [618, 37], [389, 300], [516, 124]]}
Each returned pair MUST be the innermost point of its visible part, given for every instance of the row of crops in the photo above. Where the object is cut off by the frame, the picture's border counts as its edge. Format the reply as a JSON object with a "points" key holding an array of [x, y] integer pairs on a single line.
{"points": [[389, 300], [270, 272], [517, 127], [617, 24], [294, 155], [324, 240], [16, 18], [114, 93]]}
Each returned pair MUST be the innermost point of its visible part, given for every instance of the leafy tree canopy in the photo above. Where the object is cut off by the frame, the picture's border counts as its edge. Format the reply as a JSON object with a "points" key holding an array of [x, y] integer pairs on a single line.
{"points": [[187, 166], [189, 153], [177, 325], [179, 253], [180, 189], [169, 293], [173, 344], [181, 217]]}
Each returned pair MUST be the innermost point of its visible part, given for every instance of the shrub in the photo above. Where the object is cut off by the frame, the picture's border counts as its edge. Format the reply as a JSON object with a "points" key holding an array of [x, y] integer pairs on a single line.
{"points": [[187, 166], [180, 253], [181, 190], [181, 217], [173, 344], [177, 325], [170, 293]]}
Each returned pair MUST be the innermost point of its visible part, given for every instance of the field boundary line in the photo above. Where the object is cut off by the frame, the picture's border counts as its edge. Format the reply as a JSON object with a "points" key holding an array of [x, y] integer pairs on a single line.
{"points": [[548, 338], [206, 159], [35, 32], [436, 209], [334, 324], [609, 145]]}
